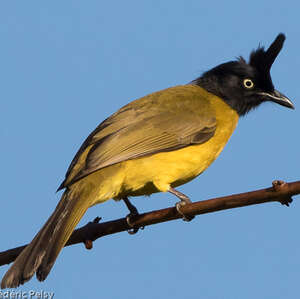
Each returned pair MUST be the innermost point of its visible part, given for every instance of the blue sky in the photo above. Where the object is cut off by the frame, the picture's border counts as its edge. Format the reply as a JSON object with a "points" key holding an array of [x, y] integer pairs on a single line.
{"points": [[67, 65]]}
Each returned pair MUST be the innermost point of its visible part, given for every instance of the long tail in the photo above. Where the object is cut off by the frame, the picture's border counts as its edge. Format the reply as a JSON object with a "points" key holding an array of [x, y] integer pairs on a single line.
{"points": [[39, 256]]}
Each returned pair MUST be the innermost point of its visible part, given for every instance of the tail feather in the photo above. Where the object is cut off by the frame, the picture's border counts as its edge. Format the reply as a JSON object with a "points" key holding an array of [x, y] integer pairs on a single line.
{"points": [[40, 255]]}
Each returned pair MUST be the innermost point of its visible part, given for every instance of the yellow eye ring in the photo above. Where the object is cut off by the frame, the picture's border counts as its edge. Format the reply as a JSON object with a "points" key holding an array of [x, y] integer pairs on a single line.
{"points": [[248, 83]]}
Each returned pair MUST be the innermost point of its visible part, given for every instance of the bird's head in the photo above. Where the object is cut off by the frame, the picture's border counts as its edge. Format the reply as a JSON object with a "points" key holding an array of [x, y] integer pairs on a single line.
{"points": [[246, 85]]}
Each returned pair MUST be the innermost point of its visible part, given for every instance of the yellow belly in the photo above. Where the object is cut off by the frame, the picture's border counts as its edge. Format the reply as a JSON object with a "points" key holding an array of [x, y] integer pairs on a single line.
{"points": [[160, 171], [155, 173]]}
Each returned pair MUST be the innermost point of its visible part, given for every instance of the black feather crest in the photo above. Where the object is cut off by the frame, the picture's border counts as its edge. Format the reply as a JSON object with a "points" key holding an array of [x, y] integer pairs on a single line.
{"points": [[262, 60]]}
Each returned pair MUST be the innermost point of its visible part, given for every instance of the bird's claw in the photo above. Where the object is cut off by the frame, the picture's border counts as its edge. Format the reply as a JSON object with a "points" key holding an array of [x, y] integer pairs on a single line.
{"points": [[185, 217], [133, 229]]}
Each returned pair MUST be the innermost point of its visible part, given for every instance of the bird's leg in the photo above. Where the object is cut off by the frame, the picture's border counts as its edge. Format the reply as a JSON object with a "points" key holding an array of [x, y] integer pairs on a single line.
{"points": [[133, 212], [183, 201], [132, 209]]}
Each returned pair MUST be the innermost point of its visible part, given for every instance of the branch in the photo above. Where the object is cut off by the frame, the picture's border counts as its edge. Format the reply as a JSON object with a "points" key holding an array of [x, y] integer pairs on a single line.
{"points": [[280, 192]]}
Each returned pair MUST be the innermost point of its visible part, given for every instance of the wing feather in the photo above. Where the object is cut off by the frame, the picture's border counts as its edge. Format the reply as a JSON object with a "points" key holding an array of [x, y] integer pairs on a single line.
{"points": [[164, 121]]}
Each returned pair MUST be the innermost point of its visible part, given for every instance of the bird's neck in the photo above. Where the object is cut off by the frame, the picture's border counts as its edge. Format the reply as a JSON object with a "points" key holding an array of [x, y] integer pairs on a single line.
{"points": [[211, 84]]}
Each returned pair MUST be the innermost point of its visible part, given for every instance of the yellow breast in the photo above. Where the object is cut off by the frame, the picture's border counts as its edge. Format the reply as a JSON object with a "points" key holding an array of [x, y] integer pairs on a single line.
{"points": [[160, 171]]}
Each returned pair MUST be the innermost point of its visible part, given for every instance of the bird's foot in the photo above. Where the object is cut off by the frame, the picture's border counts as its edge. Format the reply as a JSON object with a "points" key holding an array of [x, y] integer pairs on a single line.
{"points": [[129, 218], [185, 217]]}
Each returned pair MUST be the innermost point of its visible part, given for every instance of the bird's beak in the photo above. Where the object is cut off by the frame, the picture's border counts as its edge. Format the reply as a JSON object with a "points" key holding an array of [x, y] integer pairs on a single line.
{"points": [[278, 98]]}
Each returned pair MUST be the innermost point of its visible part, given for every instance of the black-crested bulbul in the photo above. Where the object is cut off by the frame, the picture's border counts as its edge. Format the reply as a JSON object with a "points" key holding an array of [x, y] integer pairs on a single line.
{"points": [[153, 144]]}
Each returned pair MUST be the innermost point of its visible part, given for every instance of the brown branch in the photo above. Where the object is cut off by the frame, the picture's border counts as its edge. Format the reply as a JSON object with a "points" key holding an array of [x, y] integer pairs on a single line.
{"points": [[280, 192]]}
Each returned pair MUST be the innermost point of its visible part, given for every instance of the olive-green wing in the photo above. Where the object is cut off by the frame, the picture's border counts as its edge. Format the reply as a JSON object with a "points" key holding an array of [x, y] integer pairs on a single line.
{"points": [[163, 121]]}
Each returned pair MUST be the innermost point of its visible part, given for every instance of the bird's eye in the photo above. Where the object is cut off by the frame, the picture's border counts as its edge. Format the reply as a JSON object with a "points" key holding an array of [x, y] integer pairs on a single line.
{"points": [[248, 83]]}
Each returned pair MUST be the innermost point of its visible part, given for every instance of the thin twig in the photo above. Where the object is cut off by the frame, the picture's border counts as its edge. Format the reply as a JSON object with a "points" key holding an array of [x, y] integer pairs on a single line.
{"points": [[280, 192]]}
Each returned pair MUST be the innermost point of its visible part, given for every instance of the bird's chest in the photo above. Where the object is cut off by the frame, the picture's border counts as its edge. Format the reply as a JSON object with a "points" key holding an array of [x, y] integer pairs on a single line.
{"points": [[181, 166]]}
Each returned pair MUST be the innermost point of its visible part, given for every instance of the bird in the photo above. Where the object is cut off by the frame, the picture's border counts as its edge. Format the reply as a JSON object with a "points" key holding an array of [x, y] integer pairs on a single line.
{"points": [[153, 144]]}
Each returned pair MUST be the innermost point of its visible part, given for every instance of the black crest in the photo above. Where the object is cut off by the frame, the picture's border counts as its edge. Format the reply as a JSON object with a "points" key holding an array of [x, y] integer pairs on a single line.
{"points": [[262, 60]]}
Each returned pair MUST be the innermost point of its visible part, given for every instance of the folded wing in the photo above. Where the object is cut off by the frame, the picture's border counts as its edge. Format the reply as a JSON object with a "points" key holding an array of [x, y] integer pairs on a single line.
{"points": [[163, 121]]}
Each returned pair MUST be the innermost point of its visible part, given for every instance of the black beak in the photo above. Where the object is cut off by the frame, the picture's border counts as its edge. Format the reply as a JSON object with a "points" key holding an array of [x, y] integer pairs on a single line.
{"points": [[278, 98]]}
